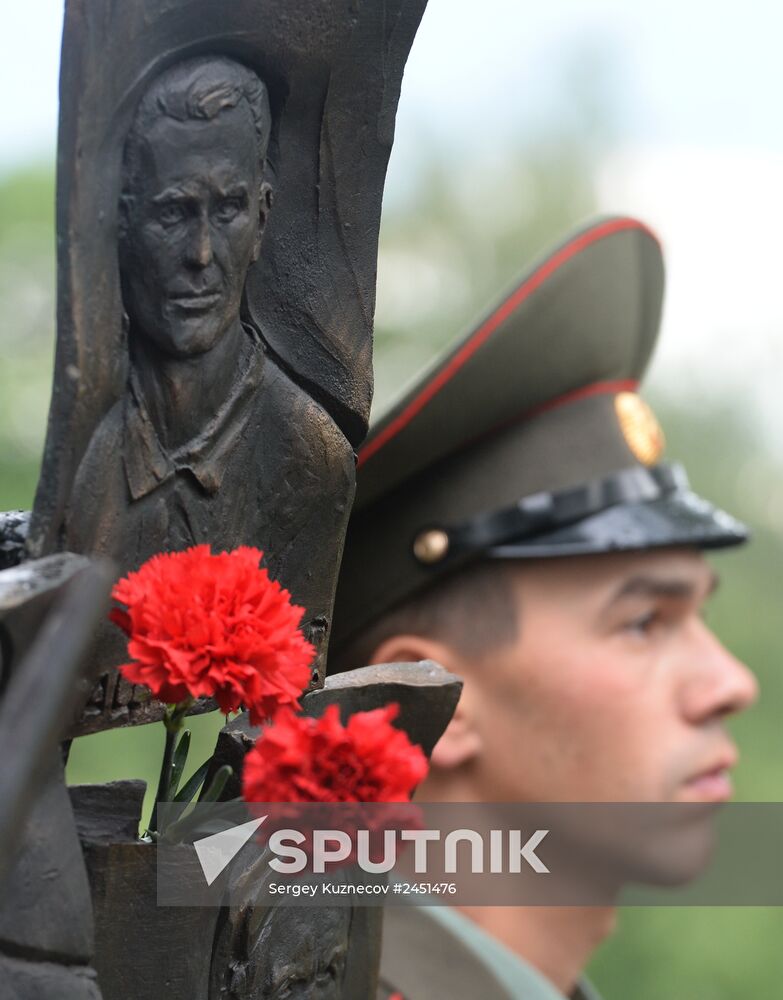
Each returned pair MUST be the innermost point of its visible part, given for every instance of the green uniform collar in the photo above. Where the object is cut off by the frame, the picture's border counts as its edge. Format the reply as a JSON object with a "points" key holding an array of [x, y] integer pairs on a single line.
{"points": [[520, 978]]}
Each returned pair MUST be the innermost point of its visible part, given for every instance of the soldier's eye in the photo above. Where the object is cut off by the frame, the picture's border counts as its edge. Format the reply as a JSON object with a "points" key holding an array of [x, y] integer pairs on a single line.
{"points": [[644, 624], [171, 214], [228, 209]]}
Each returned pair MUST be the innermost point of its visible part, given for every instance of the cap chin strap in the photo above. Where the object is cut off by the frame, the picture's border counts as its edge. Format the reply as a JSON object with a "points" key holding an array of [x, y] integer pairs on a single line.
{"points": [[544, 512]]}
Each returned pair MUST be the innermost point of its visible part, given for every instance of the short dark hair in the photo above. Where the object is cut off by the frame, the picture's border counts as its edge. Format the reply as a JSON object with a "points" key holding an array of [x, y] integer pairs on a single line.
{"points": [[475, 610], [199, 89]]}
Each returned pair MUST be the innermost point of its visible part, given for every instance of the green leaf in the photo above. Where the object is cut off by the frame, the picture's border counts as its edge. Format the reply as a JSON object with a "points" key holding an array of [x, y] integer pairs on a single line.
{"points": [[179, 761], [217, 784], [193, 784]]}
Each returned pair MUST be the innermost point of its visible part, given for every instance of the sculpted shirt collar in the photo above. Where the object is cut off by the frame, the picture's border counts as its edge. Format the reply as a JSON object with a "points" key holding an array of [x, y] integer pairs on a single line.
{"points": [[147, 463]]}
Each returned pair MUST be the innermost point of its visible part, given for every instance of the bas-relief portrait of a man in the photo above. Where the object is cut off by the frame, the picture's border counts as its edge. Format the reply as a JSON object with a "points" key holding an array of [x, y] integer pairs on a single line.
{"points": [[285, 953], [212, 440]]}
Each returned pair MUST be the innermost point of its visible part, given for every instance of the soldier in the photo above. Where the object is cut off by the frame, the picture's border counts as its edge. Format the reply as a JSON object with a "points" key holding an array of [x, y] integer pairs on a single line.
{"points": [[515, 523]]}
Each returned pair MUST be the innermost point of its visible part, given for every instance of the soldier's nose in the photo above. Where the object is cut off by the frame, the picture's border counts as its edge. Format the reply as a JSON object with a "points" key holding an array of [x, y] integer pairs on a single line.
{"points": [[720, 684]]}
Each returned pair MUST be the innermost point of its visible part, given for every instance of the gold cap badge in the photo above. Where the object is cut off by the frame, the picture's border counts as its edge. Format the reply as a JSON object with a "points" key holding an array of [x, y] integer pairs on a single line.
{"points": [[431, 546], [640, 428]]}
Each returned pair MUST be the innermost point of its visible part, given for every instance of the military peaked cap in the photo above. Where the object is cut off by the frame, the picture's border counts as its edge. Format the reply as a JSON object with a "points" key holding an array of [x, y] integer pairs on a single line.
{"points": [[527, 439]]}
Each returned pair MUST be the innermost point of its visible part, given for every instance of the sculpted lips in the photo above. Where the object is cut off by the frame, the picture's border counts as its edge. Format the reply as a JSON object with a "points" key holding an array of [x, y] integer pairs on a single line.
{"points": [[192, 301]]}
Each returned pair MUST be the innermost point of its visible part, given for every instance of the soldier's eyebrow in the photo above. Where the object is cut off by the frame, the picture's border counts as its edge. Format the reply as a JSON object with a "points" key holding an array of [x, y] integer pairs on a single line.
{"points": [[671, 587]]}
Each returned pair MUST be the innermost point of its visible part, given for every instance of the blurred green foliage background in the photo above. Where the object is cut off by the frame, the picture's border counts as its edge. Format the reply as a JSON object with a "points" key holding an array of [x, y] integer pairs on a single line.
{"points": [[446, 253]]}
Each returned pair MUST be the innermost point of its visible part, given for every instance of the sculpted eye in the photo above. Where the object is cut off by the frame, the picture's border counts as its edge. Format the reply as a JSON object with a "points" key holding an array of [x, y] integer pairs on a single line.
{"points": [[291, 983], [336, 965], [228, 209], [171, 213], [335, 970]]}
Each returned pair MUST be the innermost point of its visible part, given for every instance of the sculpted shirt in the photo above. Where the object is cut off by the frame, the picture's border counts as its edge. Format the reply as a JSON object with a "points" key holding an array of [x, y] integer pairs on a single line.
{"points": [[270, 468]]}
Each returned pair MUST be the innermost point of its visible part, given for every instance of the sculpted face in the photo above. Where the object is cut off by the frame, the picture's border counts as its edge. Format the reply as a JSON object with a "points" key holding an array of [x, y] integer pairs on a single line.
{"points": [[304, 954], [284, 953], [193, 226]]}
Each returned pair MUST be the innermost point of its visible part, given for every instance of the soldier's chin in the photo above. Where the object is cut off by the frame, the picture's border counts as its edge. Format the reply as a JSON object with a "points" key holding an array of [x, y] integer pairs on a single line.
{"points": [[636, 844], [681, 859], [674, 846]]}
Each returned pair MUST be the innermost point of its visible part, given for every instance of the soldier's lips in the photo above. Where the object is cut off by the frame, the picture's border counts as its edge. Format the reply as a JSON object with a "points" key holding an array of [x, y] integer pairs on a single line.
{"points": [[713, 783]]}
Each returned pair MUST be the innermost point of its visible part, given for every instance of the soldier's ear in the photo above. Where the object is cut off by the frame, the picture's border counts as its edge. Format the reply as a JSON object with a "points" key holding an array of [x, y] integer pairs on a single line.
{"points": [[411, 648], [461, 742], [264, 207]]}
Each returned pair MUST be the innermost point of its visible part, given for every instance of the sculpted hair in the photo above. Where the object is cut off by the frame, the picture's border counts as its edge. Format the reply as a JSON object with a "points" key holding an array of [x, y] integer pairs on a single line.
{"points": [[474, 611], [198, 90]]}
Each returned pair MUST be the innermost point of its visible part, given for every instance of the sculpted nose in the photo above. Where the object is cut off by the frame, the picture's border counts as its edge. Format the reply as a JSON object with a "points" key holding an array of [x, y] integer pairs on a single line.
{"points": [[198, 252]]}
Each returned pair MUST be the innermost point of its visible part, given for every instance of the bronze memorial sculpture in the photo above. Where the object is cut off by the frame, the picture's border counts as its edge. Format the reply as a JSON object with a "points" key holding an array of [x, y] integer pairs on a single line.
{"points": [[220, 172], [184, 456], [228, 169]]}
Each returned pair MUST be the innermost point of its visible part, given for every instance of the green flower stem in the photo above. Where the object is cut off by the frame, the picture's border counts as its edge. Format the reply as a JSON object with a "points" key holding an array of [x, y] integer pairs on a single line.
{"points": [[173, 720], [175, 715]]}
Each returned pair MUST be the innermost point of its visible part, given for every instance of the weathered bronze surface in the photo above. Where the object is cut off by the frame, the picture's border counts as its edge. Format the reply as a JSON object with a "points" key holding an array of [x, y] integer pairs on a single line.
{"points": [[13, 536], [220, 175], [242, 951], [211, 442], [220, 171], [48, 609]]}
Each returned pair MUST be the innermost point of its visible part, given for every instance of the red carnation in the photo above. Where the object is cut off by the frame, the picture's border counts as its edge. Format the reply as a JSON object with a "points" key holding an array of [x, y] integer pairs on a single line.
{"points": [[213, 625], [299, 759]]}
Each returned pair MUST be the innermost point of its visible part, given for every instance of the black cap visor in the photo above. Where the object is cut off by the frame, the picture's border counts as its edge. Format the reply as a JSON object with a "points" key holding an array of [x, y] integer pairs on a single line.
{"points": [[632, 509], [679, 518]]}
